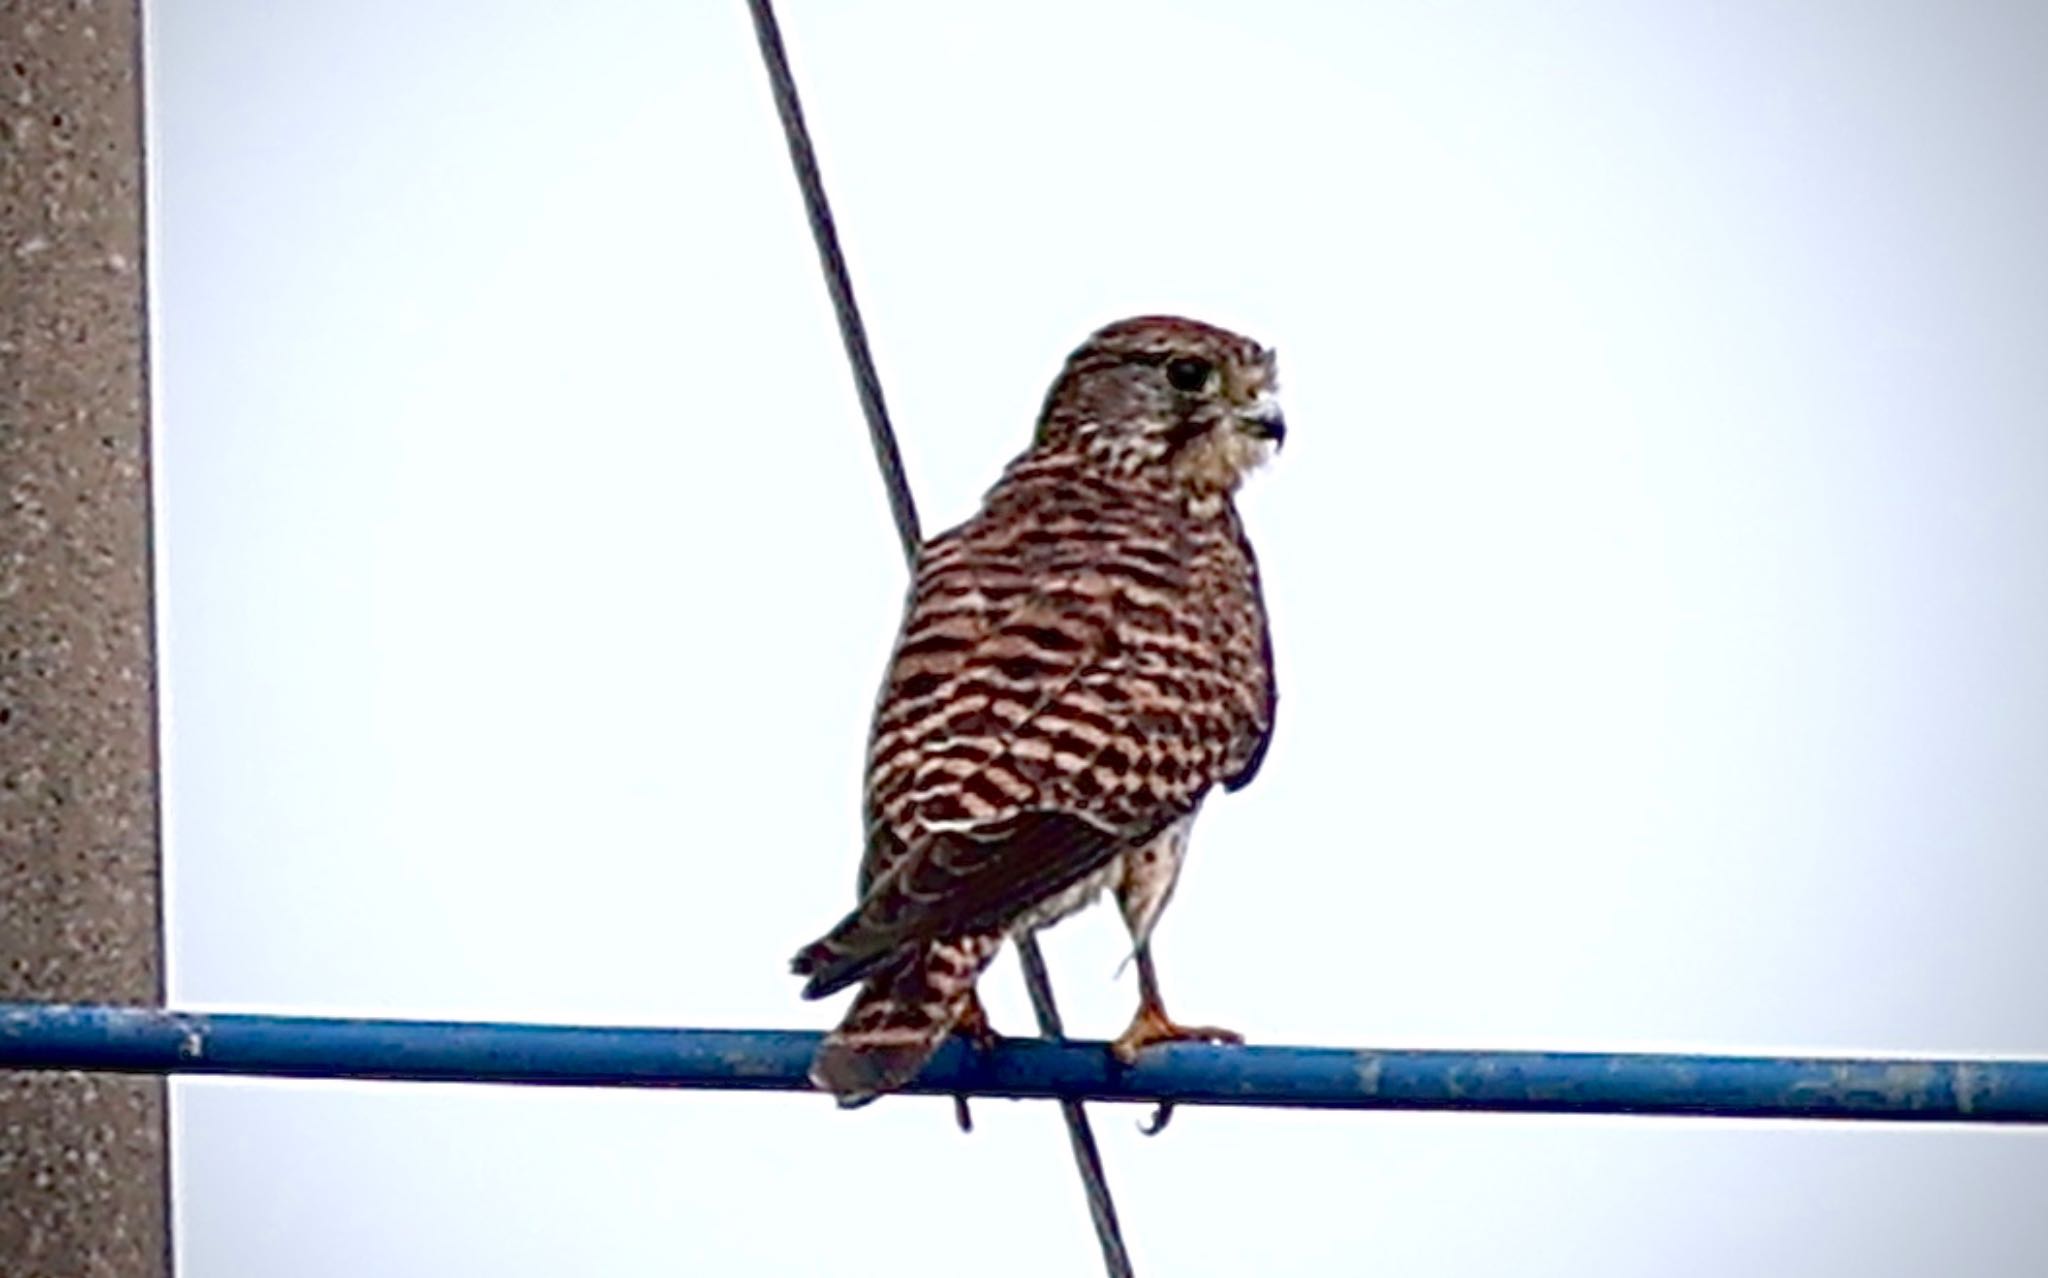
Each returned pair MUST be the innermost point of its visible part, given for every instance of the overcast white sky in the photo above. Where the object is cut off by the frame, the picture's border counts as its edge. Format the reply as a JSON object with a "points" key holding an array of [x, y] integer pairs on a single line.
{"points": [[1658, 563]]}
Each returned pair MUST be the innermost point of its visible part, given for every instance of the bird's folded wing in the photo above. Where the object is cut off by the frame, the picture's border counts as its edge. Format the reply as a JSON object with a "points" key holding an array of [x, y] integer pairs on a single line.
{"points": [[960, 882]]}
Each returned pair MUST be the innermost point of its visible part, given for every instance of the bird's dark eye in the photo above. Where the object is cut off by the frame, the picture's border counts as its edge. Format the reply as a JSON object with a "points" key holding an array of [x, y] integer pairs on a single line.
{"points": [[1187, 373]]}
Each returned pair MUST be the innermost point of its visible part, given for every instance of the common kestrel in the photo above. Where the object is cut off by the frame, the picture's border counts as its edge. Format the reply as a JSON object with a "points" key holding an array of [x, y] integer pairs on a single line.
{"points": [[1079, 665]]}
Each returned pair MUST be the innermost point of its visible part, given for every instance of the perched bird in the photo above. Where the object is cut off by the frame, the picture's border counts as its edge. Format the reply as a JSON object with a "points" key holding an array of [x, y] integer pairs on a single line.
{"points": [[1079, 665]]}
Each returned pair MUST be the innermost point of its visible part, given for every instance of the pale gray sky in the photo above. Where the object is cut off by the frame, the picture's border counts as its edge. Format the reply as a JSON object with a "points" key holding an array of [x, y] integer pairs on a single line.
{"points": [[1659, 569]]}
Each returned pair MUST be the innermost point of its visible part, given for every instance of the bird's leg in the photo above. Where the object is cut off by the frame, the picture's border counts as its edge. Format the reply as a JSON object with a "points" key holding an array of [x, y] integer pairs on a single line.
{"points": [[1152, 1024], [972, 1026]]}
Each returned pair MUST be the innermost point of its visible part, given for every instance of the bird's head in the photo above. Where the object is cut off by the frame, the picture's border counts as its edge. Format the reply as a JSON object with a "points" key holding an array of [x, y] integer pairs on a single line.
{"points": [[1166, 398]]}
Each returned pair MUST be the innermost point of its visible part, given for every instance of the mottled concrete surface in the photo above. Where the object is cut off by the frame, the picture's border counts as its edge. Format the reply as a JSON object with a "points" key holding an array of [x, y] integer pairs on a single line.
{"points": [[82, 1159]]}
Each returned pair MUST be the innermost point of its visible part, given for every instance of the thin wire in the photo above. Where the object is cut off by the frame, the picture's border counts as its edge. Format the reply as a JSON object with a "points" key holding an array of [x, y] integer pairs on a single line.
{"points": [[838, 281], [1080, 1136], [853, 334]]}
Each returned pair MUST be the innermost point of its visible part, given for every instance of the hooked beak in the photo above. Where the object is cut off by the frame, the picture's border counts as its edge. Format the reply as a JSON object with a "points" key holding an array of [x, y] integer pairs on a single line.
{"points": [[1263, 420]]}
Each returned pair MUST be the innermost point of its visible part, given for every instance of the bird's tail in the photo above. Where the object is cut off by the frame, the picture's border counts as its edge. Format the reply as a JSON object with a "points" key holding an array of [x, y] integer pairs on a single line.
{"points": [[900, 1017]]}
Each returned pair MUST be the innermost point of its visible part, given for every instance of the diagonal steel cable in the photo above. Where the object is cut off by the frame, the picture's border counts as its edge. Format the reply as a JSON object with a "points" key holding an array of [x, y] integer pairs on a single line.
{"points": [[839, 282]]}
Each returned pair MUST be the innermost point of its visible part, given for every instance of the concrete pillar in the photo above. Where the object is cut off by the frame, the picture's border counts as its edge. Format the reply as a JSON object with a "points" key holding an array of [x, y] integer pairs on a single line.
{"points": [[82, 1158]]}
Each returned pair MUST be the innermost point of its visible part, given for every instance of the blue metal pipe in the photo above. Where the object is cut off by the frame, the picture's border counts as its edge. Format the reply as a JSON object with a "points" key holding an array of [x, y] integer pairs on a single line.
{"points": [[156, 1041]]}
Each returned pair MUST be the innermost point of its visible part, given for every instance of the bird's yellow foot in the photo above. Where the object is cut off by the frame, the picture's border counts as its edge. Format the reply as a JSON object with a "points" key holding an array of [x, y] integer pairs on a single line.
{"points": [[1152, 1025], [973, 1025]]}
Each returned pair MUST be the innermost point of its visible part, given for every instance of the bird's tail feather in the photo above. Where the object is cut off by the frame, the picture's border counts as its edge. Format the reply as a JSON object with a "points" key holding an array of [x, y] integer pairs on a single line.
{"points": [[900, 1017]]}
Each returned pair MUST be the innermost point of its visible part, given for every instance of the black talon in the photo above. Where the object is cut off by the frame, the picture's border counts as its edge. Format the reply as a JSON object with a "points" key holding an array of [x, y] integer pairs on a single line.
{"points": [[1161, 1116]]}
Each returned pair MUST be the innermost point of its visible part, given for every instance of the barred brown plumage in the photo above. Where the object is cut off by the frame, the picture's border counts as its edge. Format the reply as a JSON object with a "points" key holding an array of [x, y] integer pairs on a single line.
{"points": [[1079, 664]]}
